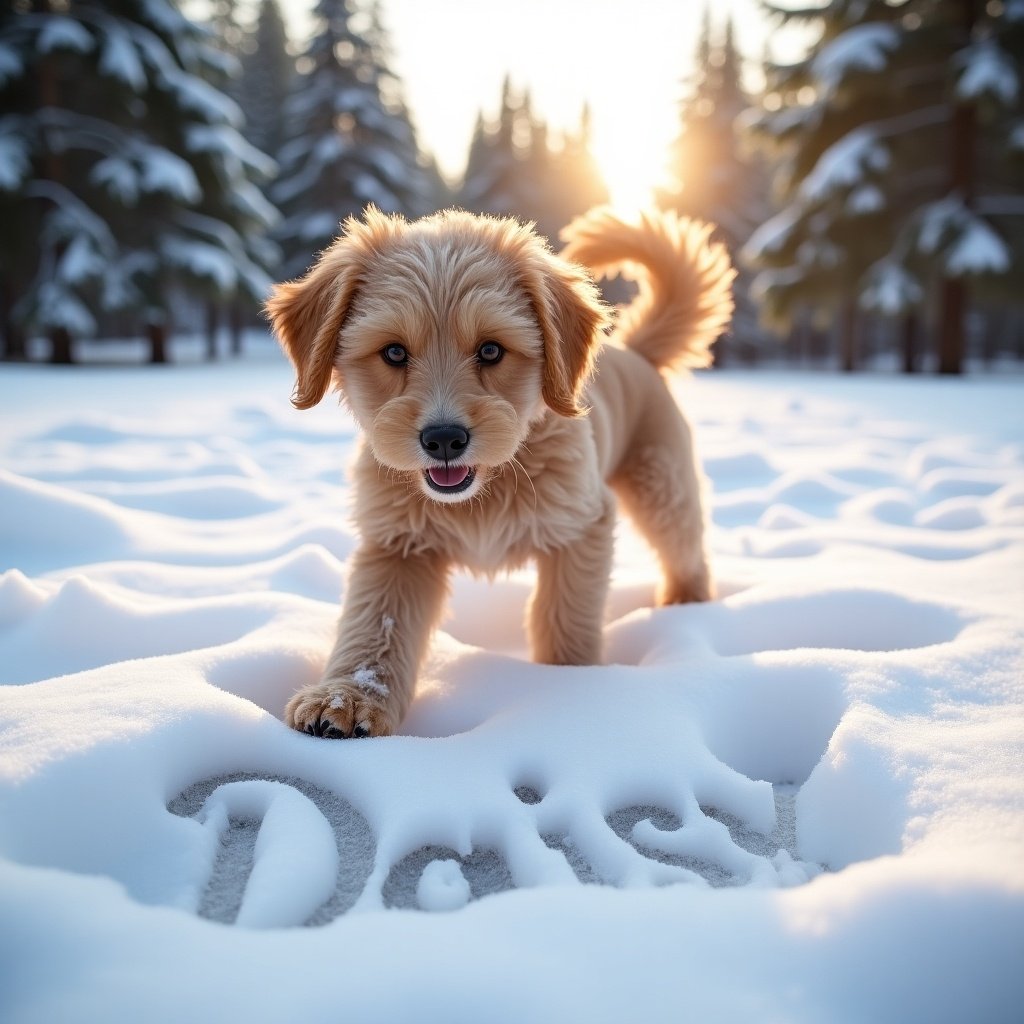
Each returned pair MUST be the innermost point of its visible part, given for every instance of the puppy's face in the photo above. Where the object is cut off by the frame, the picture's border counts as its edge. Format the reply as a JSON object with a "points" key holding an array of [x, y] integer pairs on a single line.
{"points": [[447, 337]]}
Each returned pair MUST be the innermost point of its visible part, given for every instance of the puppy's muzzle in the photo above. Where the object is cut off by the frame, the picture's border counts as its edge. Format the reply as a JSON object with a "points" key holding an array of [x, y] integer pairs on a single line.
{"points": [[447, 443]]}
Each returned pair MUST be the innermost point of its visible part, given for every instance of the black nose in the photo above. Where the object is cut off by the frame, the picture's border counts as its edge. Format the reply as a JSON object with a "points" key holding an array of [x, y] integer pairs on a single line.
{"points": [[444, 442]]}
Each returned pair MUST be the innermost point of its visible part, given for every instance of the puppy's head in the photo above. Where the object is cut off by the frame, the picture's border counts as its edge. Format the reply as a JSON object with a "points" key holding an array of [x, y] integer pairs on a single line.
{"points": [[446, 336]]}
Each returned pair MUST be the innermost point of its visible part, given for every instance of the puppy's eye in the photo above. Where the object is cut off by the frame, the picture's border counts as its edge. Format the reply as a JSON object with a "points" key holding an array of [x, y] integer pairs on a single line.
{"points": [[490, 352], [395, 354]]}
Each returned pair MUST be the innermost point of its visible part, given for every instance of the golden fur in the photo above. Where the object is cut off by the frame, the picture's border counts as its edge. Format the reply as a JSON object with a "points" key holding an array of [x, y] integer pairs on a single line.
{"points": [[555, 427]]}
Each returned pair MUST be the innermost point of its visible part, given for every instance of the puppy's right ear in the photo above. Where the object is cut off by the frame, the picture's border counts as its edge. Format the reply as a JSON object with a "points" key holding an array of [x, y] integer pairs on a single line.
{"points": [[307, 314]]}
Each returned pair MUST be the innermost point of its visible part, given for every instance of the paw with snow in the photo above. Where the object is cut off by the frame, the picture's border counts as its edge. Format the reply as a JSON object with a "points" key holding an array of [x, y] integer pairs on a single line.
{"points": [[340, 709]]}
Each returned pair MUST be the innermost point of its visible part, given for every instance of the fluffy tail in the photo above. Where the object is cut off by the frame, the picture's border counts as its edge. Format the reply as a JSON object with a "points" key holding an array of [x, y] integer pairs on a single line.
{"points": [[685, 281]]}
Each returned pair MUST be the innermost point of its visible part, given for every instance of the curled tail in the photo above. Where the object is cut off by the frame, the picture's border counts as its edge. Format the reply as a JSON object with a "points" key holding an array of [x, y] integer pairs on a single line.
{"points": [[685, 281]]}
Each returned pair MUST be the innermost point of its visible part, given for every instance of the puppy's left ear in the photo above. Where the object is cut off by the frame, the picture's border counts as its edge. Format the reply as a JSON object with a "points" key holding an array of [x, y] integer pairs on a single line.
{"points": [[572, 320]]}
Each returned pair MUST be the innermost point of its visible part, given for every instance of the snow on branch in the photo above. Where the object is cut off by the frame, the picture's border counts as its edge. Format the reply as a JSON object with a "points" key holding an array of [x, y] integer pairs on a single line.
{"points": [[118, 178], [971, 245], [120, 59], [58, 306], [985, 70], [890, 289], [865, 199], [15, 157], [11, 64], [861, 48], [162, 171], [845, 164], [248, 200], [978, 250], [76, 215], [201, 260], [203, 99], [62, 33], [225, 142], [773, 236], [167, 17]]}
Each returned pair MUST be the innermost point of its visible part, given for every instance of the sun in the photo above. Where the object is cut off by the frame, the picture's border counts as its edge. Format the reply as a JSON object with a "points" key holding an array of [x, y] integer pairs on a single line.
{"points": [[632, 161], [630, 142]]}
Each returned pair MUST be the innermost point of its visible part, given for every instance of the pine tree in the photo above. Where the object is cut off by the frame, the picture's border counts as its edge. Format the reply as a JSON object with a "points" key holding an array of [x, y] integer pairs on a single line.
{"points": [[494, 181], [580, 183], [265, 81], [714, 176], [351, 141], [122, 171], [515, 168], [890, 135]]}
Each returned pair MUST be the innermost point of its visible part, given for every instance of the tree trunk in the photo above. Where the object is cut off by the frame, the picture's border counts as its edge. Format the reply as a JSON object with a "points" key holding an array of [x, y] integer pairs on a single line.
{"points": [[801, 342], [235, 327], [211, 330], [909, 339], [60, 351], [13, 336], [157, 334], [952, 309], [962, 138], [996, 326], [721, 351], [15, 349], [817, 344], [848, 337]]}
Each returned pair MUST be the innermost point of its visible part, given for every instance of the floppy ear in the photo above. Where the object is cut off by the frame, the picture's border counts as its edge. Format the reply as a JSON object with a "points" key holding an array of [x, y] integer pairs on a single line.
{"points": [[572, 319], [307, 314]]}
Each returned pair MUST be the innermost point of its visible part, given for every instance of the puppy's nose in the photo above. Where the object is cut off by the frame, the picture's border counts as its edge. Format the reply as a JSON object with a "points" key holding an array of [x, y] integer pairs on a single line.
{"points": [[446, 441]]}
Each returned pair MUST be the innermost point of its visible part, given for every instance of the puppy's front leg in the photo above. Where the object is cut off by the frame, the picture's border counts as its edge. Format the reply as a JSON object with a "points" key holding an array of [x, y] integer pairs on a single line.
{"points": [[566, 611], [391, 605]]}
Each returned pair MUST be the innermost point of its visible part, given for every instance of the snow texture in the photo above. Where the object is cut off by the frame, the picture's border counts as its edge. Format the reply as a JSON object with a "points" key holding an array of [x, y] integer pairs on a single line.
{"points": [[800, 802]]}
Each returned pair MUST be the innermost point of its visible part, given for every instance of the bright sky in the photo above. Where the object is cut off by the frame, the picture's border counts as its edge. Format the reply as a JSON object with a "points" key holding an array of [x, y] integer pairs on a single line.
{"points": [[626, 57]]}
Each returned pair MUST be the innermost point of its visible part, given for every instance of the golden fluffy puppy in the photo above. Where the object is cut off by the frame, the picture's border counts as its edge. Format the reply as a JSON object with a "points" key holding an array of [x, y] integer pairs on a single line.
{"points": [[498, 422]]}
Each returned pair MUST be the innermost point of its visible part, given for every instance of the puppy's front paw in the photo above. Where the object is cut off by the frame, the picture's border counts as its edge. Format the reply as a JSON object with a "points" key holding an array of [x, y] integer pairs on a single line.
{"points": [[339, 710]]}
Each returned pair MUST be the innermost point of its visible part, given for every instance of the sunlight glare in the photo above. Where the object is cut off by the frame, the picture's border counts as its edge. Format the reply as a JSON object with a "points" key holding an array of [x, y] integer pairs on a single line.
{"points": [[632, 158]]}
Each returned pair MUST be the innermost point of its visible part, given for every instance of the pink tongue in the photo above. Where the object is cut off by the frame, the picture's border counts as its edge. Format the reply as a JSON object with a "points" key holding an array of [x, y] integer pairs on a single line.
{"points": [[448, 476]]}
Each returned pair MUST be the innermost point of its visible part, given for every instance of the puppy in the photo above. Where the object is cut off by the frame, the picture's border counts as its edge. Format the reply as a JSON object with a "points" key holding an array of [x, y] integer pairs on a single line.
{"points": [[498, 429]]}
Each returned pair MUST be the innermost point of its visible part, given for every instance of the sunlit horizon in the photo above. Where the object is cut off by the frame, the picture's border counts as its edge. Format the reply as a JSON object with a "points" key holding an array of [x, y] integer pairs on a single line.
{"points": [[629, 65]]}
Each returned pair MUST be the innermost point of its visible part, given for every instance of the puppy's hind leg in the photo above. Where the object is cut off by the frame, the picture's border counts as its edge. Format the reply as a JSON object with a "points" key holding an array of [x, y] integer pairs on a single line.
{"points": [[662, 489]]}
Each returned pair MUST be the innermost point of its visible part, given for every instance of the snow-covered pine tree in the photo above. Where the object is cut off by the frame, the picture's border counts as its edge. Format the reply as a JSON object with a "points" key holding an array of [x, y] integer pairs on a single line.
{"points": [[715, 177], [266, 78], [515, 169], [886, 136], [351, 141], [494, 181], [122, 174], [577, 178]]}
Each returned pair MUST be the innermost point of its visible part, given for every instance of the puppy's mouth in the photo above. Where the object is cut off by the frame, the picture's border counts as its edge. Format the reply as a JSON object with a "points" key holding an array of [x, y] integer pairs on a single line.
{"points": [[449, 479]]}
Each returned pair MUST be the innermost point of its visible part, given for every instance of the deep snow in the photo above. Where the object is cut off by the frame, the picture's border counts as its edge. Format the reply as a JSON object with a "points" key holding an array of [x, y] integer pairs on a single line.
{"points": [[801, 802]]}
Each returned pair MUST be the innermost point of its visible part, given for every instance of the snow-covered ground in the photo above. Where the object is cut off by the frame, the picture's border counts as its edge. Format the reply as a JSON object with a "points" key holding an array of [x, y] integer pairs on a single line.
{"points": [[803, 802]]}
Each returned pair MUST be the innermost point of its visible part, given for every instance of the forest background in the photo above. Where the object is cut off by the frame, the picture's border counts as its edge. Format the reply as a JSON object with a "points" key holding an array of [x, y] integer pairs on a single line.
{"points": [[161, 165]]}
